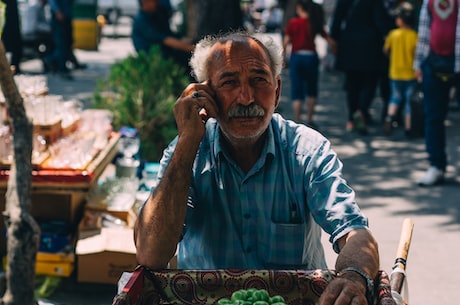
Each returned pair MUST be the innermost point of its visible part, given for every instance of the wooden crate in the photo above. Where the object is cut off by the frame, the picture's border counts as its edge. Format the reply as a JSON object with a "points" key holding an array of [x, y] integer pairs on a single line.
{"points": [[51, 132], [62, 194]]}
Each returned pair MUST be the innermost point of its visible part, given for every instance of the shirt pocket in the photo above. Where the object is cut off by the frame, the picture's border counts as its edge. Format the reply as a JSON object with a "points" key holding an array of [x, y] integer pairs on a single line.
{"points": [[284, 245]]}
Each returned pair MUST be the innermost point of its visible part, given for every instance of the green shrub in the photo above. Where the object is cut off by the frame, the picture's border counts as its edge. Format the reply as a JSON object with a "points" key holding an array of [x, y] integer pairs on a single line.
{"points": [[141, 90]]}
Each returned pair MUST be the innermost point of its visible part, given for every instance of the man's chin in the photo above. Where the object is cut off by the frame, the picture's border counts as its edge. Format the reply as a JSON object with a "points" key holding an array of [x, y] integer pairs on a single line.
{"points": [[245, 128]]}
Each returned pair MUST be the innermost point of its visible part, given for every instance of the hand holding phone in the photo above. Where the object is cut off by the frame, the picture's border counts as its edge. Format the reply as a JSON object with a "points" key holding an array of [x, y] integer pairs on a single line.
{"points": [[193, 108]]}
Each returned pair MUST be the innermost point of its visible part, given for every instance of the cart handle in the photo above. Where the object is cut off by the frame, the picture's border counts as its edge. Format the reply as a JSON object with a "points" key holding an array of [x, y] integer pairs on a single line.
{"points": [[398, 275]]}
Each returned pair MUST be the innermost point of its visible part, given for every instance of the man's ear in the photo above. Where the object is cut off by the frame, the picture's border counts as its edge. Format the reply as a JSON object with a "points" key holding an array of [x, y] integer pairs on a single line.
{"points": [[278, 91]]}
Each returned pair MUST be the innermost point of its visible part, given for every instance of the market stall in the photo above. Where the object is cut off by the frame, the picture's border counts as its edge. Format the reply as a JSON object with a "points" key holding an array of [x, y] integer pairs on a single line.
{"points": [[71, 149]]}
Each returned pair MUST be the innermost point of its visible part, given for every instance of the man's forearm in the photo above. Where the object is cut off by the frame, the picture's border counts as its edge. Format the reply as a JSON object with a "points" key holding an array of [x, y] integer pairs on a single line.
{"points": [[360, 251], [159, 225], [357, 264]]}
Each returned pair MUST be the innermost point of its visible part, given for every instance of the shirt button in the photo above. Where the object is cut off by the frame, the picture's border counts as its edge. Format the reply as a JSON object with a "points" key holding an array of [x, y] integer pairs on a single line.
{"points": [[248, 250], [247, 215]]}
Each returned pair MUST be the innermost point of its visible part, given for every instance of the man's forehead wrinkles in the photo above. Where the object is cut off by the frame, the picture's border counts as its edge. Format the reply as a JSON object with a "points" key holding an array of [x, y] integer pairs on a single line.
{"points": [[258, 71], [228, 74]]}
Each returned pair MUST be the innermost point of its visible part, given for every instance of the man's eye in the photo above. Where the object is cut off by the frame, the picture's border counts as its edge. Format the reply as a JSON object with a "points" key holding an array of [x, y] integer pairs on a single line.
{"points": [[228, 82], [259, 80]]}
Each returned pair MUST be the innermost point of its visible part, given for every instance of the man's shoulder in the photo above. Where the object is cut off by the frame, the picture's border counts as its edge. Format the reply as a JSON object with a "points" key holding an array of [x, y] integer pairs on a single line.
{"points": [[294, 136]]}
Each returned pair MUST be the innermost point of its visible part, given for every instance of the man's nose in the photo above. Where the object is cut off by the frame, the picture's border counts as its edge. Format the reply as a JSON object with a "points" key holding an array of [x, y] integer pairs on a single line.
{"points": [[246, 94]]}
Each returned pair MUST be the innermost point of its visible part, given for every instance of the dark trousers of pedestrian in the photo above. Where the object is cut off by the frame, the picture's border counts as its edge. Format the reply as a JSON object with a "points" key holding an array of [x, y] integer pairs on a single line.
{"points": [[63, 40], [436, 98], [11, 35], [360, 86]]}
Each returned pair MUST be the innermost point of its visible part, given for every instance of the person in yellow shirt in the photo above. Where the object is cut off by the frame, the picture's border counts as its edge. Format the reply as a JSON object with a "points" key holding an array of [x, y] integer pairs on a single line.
{"points": [[400, 46]]}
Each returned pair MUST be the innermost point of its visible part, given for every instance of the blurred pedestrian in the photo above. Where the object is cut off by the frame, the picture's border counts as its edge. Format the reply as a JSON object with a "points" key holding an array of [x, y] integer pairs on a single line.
{"points": [[400, 47], [437, 64], [359, 28], [11, 35], [151, 27], [271, 19], [61, 25], [300, 33], [36, 28], [328, 61]]}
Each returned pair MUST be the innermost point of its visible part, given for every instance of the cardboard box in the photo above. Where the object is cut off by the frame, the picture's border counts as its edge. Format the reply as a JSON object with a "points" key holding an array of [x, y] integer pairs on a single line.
{"points": [[103, 255], [97, 218], [56, 205]]}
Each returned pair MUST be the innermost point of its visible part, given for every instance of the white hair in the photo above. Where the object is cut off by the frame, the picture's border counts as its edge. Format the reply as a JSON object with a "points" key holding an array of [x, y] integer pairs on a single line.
{"points": [[200, 58]]}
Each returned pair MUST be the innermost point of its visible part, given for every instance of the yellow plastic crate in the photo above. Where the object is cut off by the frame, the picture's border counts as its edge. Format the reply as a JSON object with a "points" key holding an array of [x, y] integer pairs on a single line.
{"points": [[58, 264], [86, 33]]}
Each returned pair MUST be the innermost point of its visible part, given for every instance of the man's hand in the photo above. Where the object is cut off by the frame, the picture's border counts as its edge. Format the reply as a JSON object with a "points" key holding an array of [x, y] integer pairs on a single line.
{"points": [[358, 254], [192, 110], [347, 289]]}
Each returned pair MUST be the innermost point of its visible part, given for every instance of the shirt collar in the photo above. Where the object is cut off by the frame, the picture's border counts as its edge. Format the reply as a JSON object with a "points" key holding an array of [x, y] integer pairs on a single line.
{"points": [[219, 150]]}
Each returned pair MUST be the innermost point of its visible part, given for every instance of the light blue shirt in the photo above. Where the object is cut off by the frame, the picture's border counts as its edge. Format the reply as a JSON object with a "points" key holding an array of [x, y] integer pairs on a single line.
{"points": [[271, 217]]}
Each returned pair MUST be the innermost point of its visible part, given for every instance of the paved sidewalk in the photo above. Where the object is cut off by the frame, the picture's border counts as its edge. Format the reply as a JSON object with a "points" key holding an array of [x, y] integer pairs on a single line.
{"points": [[382, 170]]}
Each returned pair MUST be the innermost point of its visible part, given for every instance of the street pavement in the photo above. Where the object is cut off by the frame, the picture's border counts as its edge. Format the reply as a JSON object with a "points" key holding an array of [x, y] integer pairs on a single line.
{"points": [[381, 169]]}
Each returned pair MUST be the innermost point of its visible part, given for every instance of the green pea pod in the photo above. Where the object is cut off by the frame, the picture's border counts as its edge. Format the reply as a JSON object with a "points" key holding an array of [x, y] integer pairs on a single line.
{"points": [[238, 295], [262, 295], [256, 296], [277, 299], [250, 292], [278, 303], [224, 301], [261, 303]]}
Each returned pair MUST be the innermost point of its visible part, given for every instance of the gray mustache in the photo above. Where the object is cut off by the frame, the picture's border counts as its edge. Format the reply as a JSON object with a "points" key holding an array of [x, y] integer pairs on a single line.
{"points": [[251, 110]]}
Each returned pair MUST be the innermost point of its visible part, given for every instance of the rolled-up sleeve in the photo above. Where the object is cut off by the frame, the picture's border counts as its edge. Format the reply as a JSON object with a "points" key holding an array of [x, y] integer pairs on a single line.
{"points": [[330, 199]]}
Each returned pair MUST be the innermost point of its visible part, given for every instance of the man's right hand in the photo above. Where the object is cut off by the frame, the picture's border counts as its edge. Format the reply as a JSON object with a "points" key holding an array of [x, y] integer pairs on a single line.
{"points": [[192, 110]]}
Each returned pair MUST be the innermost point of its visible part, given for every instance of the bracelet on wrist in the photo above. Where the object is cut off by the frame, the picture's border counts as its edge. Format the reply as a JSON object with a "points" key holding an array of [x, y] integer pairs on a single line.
{"points": [[367, 279]]}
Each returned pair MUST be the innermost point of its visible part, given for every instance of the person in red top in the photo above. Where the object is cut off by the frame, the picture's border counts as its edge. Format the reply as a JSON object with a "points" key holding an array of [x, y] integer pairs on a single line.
{"points": [[300, 34], [437, 67]]}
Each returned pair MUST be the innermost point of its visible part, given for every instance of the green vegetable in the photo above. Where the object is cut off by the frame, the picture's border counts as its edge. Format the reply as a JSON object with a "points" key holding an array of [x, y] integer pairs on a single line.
{"points": [[224, 301], [239, 295], [276, 299], [261, 295], [252, 296]]}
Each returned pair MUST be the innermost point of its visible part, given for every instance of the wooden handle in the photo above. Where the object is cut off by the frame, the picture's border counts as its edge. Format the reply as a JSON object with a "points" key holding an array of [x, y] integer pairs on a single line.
{"points": [[397, 278], [404, 244]]}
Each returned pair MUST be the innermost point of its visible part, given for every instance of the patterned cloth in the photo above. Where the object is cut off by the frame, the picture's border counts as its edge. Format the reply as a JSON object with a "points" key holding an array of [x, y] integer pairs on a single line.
{"points": [[270, 217], [201, 287]]}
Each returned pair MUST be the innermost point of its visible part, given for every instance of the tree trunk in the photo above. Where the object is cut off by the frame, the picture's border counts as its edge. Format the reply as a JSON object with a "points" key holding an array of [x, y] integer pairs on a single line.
{"points": [[208, 17], [22, 230]]}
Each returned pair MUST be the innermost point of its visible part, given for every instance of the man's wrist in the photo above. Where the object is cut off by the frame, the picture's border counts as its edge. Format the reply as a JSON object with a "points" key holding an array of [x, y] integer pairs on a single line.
{"points": [[369, 282]]}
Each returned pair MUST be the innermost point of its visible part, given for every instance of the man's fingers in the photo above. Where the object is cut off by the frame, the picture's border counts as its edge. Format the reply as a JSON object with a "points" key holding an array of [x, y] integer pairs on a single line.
{"points": [[342, 291]]}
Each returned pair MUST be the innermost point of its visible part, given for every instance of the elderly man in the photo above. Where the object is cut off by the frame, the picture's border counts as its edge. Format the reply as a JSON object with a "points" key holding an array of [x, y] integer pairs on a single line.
{"points": [[241, 187]]}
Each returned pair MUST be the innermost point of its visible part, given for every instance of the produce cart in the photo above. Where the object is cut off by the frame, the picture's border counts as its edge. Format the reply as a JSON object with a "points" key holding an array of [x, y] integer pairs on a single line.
{"points": [[200, 287]]}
